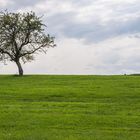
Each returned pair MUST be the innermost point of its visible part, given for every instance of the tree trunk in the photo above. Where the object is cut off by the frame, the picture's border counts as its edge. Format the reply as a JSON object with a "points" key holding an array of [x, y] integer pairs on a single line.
{"points": [[20, 70]]}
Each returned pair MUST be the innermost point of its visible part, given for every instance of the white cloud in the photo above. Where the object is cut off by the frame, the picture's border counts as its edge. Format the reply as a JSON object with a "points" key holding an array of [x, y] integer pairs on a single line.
{"points": [[4, 3], [114, 56]]}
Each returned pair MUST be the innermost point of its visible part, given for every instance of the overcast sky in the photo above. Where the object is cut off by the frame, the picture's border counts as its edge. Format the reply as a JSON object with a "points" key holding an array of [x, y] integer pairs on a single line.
{"points": [[92, 36]]}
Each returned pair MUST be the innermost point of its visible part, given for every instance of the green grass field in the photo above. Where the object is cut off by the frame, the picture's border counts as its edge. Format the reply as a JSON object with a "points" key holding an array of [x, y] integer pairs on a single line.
{"points": [[70, 108]]}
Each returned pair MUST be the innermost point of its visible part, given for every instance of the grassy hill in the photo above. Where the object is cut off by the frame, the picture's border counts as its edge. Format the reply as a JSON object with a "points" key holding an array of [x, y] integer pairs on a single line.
{"points": [[70, 108]]}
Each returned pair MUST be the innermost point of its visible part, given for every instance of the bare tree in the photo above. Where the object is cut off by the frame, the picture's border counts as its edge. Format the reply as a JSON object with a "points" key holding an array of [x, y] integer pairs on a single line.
{"points": [[21, 36]]}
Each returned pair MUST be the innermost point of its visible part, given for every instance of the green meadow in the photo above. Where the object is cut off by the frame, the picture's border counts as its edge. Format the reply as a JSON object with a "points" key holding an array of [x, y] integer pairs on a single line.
{"points": [[47, 107]]}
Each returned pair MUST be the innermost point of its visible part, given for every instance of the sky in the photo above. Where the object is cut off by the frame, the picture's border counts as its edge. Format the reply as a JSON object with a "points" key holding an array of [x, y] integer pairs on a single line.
{"points": [[92, 36]]}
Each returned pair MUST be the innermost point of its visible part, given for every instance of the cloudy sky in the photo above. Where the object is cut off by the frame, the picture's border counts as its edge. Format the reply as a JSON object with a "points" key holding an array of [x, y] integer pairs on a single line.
{"points": [[92, 36]]}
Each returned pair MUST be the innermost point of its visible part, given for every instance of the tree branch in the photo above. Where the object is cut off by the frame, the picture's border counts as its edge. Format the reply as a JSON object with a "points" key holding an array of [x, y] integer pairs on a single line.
{"points": [[6, 52]]}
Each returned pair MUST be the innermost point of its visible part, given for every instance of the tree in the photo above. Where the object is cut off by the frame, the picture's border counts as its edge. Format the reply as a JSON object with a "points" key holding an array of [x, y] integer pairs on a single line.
{"points": [[21, 36]]}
